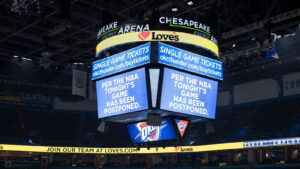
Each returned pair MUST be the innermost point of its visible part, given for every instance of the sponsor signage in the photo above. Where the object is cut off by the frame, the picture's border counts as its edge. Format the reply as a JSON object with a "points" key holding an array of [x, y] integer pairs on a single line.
{"points": [[188, 94], [182, 59], [123, 61], [123, 150], [25, 99], [121, 94], [167, 36], [144, 150], [274, 142], [291, 84], [181, 125], [141, 132], [115, 28], [188, 25], [183, 149], [165, 23]]}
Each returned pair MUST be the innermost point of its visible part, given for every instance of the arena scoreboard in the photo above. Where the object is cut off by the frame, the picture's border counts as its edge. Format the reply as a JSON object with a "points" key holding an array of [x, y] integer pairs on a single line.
{"points": [[173, 71]]}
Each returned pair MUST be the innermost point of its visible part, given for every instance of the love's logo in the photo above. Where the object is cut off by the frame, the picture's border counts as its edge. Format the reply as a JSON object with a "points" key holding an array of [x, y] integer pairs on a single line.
{"points": [[143, 35], [177, 149]]}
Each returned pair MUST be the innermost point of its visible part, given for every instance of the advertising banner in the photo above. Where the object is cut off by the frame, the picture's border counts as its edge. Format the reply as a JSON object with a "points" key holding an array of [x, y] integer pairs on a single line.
{"points": [[122, 150], [273, 142], [291, 84], [188, 94], [183, 59], [187, 25], [162, 36], [9, 97], [122, 94], [122, 61], [141, 132]]}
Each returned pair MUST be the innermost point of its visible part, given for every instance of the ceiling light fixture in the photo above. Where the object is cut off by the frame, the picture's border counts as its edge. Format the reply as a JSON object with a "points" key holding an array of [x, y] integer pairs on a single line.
{"points": [[190, 3], [174, 9]]}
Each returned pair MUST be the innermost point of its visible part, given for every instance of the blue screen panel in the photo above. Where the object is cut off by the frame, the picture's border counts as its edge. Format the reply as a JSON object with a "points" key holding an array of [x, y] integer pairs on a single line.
{"points": [[182, 59], [122, 94], [122, 61], [188, 94], [140, 132]]}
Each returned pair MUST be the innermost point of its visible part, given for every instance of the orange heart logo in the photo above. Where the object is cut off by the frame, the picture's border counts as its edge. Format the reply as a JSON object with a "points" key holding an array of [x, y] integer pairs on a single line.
{"points": [[143, 35]]}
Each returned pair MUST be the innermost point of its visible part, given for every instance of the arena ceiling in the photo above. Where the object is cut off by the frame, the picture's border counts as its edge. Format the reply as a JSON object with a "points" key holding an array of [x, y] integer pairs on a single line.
{"points": [[62, 32]]}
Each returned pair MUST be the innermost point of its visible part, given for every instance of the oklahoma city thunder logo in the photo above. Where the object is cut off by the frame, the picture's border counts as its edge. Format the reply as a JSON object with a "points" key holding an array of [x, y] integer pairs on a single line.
{"points": [[147, 133]]}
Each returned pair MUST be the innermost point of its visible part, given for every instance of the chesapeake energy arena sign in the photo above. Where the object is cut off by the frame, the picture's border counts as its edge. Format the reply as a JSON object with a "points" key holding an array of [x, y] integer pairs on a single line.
{"points": [[164, 23]]}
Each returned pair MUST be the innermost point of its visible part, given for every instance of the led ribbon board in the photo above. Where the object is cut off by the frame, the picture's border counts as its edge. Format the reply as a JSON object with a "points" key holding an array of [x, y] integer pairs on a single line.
{"points": [[141, 132], [167, 36], [121, 150], [182, 59], [122, 93], [122, 61], [164, 23], [188, 94], [273, 142], [157, 150]]}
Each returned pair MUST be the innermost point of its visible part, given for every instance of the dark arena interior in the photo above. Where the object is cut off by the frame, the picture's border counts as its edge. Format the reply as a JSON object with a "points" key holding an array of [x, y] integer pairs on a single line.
{"points": [[149, 84]]}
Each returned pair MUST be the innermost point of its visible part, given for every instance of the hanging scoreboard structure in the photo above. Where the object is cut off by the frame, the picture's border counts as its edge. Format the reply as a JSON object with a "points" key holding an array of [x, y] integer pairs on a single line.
{"points": [[170, 68]]}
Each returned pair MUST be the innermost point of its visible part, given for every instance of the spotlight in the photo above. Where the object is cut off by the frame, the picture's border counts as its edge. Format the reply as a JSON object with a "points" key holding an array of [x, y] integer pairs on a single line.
{"points": [[233, 45], [15, 56], [174, 9], [253, 38], [75, 63], [80, 63], [24, 58], [267, 155], [28, 59], [190, 3]]}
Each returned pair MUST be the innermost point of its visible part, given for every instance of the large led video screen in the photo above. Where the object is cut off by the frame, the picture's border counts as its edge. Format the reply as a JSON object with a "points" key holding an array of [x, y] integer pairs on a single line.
{"points": [[189, 61], [122, 61], [122, 93], [188, 94], [141, 132]]}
